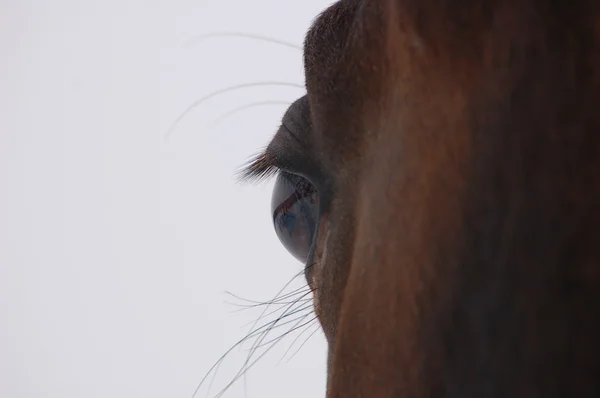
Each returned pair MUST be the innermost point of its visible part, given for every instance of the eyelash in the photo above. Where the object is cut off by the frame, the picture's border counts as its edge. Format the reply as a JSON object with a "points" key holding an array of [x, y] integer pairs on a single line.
{"points": [[258, 169]]}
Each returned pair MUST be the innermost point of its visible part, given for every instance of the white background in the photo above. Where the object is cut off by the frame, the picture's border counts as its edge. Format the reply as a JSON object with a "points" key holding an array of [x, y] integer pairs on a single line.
{"points": [[115, 246]]}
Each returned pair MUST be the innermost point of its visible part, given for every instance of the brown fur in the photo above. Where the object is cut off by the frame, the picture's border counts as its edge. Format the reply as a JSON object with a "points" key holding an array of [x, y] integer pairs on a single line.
{"points": [[458, 153]]}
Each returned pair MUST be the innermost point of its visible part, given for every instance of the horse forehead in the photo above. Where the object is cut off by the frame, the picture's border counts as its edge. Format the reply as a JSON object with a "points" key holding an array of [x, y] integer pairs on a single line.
{"points": [[344, 58], [366, 61]]}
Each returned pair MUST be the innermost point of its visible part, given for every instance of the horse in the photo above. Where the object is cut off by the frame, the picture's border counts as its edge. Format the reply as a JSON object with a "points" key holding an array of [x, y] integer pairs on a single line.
{"points": [[440, 180]]}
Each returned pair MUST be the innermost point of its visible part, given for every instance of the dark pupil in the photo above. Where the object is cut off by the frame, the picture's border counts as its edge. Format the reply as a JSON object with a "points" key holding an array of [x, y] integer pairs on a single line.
{"points": [[294, 207]]}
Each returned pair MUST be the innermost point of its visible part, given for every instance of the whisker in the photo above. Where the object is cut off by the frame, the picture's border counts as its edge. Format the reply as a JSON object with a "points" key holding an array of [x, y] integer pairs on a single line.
{"points": [[224, 390], [243, 108], [279, 301], [285, 314], [305, 341], [271, 326], [294, 342], [246, 307], [200, 101], [270, 301], [240, 342], [305, 300], [300, 303], [288, 332], [218, 363], [275, 324], [247, 367], [284, 287], [244, 369], [279, 305], [275, 301], [212, 380], [203, 37], [294, 312]]}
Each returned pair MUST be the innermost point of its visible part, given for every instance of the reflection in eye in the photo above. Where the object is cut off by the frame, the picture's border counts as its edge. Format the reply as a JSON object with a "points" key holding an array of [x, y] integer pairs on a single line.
{"points": [[294, 207]]}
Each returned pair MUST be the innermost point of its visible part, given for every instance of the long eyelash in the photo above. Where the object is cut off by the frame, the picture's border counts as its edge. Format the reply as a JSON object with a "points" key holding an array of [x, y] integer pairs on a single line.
{"points": [[244, 107], [236, 87], [258, 169], [243, 35]]}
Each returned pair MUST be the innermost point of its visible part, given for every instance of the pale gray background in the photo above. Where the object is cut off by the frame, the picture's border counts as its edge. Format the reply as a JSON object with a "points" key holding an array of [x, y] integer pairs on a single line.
{"points": [[115, 247]]}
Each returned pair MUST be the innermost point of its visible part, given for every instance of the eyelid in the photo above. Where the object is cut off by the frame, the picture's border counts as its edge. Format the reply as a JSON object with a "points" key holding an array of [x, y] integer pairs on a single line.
{"points": [[284, 153], [290, 132], [289, 150]]}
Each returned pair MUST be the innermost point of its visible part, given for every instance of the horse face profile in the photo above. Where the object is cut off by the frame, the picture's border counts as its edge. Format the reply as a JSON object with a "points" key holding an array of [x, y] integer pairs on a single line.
{"points": [[441, 182]]}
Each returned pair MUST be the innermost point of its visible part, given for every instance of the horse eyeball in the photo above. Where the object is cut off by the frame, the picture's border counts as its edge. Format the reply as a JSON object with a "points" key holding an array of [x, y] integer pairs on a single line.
{"points": [[294, 209]]}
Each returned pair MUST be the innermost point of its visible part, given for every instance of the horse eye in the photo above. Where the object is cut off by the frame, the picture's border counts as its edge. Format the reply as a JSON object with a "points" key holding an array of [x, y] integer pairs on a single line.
{"points": [[294, 208]]}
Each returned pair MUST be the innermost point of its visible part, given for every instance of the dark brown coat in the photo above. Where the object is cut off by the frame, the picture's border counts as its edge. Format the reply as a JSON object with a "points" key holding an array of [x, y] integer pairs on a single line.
{"points": [[455, 145]]}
